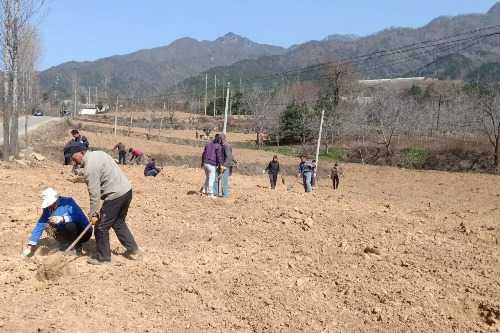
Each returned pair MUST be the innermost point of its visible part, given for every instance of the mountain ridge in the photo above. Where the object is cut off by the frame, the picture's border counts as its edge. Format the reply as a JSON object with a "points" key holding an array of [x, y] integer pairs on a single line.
{"points": [[152, 71]]}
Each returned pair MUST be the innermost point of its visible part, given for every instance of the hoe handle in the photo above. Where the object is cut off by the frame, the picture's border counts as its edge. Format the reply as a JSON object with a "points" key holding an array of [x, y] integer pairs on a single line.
{"points": [[78, 238]]}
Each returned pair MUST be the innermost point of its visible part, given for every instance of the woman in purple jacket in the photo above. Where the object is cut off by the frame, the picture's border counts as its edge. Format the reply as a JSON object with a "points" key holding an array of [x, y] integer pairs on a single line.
{"points": [[211, 160]]}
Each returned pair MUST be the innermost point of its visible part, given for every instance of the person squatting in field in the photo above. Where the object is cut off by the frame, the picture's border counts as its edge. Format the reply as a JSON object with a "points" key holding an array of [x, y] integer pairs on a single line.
{"points": [[151, 170], [63, 219]]}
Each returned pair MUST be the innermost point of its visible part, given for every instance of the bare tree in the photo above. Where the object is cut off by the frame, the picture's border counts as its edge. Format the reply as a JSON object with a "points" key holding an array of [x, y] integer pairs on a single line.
{"points": [[29, 55], [258, 101], [486, 103], [385, 115], [16, 17]]}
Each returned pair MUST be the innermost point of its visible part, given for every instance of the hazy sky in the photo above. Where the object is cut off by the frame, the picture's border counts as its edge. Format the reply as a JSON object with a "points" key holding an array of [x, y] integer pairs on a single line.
{"points": [[91, 29]]}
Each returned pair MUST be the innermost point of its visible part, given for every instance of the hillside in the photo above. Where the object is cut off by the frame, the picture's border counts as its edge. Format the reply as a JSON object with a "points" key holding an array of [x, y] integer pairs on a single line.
{"points": [[147, 72], [231, 57], [449, 67], [473, 50]]}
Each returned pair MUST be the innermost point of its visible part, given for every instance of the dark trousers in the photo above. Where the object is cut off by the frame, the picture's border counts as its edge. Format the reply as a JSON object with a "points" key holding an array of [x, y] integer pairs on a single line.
{"points": [[152, 173], [70, 232], [113, 215], [122, 157], [336, 182], [273, 178]]}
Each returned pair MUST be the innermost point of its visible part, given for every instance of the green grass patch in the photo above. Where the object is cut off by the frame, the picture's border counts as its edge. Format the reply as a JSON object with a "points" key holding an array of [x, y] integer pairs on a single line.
{"points": [[283, 150], [334, 154], [414, 158]]}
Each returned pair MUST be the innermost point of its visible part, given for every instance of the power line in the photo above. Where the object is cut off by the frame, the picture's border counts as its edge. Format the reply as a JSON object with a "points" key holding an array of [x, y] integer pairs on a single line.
{"points": [[418, 49]]}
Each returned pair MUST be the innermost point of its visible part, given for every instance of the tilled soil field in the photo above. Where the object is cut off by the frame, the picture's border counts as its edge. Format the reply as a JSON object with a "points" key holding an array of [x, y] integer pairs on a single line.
{"points": [[391, 251]]}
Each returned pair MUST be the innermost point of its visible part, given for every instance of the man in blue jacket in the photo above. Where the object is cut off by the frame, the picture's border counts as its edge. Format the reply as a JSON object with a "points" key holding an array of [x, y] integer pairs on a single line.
{"points": [[67, 219], [226, 168], [306, 170]]}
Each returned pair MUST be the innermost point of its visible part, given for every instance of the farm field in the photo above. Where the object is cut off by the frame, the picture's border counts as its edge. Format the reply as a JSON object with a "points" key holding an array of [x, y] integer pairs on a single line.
{"points": [[394, 250]]}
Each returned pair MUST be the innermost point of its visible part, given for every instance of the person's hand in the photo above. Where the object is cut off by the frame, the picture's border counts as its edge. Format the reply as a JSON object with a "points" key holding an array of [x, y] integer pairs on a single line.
{"points": [[263, 172], [28, 251], [56, 219], [94, 218]]}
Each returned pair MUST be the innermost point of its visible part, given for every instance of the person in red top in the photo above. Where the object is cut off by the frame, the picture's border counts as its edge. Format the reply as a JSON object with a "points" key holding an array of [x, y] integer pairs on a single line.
{"points": [[136, 155]]}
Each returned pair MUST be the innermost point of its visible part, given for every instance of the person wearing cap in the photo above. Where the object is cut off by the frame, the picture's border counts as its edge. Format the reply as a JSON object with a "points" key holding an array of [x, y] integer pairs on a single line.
{"points": [[77, 137], [65, 216], [107, 182]]}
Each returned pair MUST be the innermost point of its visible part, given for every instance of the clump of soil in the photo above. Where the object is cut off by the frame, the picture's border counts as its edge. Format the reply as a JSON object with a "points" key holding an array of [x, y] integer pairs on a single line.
{"points": [[53, 268]]}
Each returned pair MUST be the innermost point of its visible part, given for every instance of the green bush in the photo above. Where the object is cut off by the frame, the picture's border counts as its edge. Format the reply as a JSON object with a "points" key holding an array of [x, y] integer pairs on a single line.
{"points": [[414, 158]]}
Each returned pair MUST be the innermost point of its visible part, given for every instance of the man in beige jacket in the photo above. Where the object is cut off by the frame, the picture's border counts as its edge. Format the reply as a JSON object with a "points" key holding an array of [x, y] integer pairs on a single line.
{"points": [[107, 182]]}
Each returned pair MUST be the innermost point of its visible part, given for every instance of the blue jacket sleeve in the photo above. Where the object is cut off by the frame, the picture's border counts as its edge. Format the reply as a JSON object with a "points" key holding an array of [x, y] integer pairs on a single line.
{"points": [[73, 213], [39, 228]]}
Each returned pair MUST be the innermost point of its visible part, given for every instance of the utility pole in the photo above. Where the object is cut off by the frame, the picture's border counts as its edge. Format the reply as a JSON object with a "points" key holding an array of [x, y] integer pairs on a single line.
{"points": [[131, 119], [96, 96], [161, 120], [319, 140], [215, 93], [106, 88], [230, 104], [206, 92], [226, 108], [75, 102], [88, 102], [116, 115]]}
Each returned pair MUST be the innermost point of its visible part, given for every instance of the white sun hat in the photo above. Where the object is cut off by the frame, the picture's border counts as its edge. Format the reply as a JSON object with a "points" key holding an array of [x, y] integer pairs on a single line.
{"points": [[49, 197]]}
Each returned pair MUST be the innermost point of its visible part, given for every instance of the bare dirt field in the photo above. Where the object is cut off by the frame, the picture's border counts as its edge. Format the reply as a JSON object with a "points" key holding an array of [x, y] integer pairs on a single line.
{"points": [[392, 251]]}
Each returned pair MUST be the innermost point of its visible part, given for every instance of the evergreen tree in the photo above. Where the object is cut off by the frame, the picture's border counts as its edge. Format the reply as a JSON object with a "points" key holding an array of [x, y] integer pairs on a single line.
{"points": [[293, 129]]}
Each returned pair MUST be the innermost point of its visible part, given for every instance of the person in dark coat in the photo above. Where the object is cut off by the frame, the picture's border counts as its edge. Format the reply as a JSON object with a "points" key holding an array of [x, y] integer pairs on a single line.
{"points": [[273, 169], [122, 153], [151, 170], [335, 174]]}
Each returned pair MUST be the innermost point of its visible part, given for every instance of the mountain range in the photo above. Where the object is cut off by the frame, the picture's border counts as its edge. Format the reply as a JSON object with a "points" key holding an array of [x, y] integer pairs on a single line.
{"points": [[186, 61]]}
